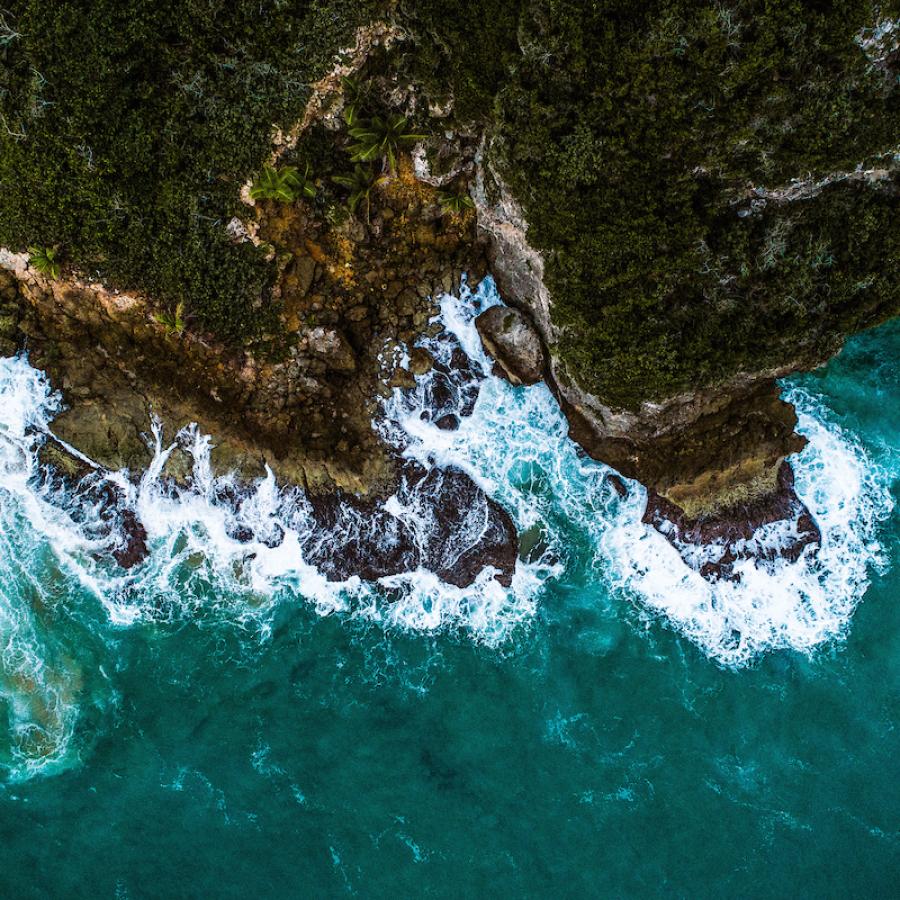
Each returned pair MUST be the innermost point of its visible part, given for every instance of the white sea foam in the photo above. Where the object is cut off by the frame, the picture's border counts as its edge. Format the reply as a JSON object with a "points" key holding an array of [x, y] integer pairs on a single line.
{"points": [[38, 681], [515, 446], [198, 568], [779, 604]]}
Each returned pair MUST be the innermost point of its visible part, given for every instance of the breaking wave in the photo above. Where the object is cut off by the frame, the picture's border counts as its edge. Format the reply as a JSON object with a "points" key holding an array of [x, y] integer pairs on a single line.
{"points": [[776, 605], [516, 445], [512, 442]]}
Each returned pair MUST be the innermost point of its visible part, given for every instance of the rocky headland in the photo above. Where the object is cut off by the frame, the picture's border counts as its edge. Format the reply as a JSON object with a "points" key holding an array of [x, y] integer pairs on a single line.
{"points": [[708, 206]]}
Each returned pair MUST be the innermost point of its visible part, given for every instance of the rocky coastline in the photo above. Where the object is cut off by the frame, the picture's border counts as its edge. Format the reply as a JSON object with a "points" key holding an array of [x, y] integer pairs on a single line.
{"points": [[353, 286]]}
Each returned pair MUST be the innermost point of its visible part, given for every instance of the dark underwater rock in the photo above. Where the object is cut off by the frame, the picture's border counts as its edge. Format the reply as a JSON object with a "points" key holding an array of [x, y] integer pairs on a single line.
{"points": [[453, 529], [449, 422], [133, 548], [104, 512], [472, 530]]}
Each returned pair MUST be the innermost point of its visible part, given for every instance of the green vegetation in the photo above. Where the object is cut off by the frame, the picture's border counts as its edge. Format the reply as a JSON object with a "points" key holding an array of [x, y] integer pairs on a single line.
{"points": [[127, 127], [285, 184], [631, 133], [356, 96], [456, 202], [44, 260], [360, 184], [382, 138], [174, 323]]}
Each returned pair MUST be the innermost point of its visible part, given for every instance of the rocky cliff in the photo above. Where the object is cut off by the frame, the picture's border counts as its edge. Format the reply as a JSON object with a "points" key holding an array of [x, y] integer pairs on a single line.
{"points": [[688, 200], [692, 202]]}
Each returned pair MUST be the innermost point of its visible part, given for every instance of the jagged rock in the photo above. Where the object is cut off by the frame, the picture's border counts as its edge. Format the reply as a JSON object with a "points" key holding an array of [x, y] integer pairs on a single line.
{"points": [[457, 531], [331, 346], [733, 534], [403, 378], [420, 361], [106, 506], [618, 484], [509, 337], [305, 270], [132, 548], [179, 466], [472, 530]]}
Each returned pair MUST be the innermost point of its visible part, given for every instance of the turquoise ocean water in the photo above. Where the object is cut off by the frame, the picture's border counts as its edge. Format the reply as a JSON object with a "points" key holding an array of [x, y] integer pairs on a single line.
{"points": [[216, 725]]}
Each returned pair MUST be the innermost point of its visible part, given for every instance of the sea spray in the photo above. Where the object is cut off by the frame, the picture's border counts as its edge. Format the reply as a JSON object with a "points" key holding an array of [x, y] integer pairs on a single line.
{"points": [[43, 553], [515, 444]]}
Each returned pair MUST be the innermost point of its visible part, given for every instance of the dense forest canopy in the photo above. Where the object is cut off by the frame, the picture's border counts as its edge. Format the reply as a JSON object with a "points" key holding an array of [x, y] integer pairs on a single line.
{"points": [[128, 127], [649, 144]]}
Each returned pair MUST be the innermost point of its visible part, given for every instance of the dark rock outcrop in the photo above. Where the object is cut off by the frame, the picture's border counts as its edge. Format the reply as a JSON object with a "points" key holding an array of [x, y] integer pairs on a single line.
{"points": [[509, 337], [707, 453], [456, 531], [736, 533], [102, 509]]}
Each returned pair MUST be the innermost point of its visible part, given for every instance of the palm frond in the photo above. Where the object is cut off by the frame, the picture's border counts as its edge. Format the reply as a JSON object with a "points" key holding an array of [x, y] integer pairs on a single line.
{"points": [[380, 137], [44, 260]]}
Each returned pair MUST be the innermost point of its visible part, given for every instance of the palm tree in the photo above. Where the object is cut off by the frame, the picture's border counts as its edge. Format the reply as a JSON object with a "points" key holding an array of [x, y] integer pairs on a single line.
{"points": [[382, 138], [356, 93], [285, 184], [360, 185]]}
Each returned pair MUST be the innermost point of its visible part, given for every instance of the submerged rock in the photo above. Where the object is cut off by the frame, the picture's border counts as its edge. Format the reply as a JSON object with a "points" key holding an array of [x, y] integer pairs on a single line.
{"points": [[133, 548], [509, 337], [438, 520], [470, 531]]}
